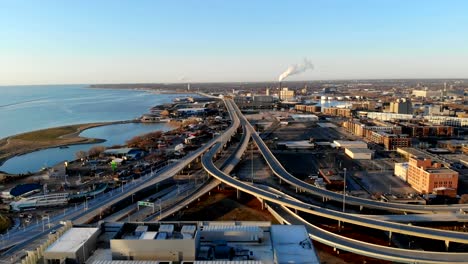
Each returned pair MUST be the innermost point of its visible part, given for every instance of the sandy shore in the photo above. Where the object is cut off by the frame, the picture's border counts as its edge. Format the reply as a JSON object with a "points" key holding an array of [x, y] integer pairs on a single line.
{"points": [[48, 138]]}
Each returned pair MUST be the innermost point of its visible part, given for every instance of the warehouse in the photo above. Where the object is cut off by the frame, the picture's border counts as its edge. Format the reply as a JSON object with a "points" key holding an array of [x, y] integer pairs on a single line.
{"points": [[359, 153]]}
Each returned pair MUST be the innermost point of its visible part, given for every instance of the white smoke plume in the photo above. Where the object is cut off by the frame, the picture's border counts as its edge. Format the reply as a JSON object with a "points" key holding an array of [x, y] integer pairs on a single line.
{"points": [[184, 79], [296, 69]]}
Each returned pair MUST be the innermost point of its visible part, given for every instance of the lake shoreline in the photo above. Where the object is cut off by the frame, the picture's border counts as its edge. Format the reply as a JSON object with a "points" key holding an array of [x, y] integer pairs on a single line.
{"points": [[15, 145]]}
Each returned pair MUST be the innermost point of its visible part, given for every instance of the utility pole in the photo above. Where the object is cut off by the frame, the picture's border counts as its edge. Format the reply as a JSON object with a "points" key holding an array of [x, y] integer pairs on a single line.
{"points": [[344, 191]]}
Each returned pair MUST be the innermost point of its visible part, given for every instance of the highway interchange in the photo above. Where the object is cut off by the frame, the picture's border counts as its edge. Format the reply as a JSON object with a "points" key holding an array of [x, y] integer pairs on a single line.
{"points": [[280, 202]]}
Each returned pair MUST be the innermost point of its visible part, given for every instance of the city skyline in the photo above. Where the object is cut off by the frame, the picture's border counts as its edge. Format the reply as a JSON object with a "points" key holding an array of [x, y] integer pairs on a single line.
{"points": [[52, 42]]}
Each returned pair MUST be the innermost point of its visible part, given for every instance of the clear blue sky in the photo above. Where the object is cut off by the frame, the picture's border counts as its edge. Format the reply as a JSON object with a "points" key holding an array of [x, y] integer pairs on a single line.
{"points": [[203, 40]]}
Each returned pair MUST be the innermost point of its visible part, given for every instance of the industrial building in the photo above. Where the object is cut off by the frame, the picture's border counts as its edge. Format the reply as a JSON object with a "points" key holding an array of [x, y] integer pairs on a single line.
{"points": [[401, 171], [300, 144], [305, 118], [426, 93], [75, 244], [349, 144], [183, 242], [424, 175], [359, 153], [401, 106], [286, 95]]}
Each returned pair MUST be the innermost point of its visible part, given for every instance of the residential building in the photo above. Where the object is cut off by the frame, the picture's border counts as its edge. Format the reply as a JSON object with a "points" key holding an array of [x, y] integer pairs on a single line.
{"points": [[337, 111], [392, 141], [308, 108], [426, 130], [425, 175], [389, 116], [448, 120]]}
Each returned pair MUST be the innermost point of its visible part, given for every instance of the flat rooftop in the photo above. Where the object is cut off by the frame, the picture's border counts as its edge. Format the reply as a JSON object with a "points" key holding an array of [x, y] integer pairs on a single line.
{"points": [[292, 244], [253, 242], [329, 125], [72, 240], [360, 150]]}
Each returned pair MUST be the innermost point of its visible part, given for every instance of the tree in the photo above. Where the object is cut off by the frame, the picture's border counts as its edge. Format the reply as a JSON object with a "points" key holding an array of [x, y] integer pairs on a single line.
{"points": [[463, 199], [81, 154], [96, 150], [164, 113]]}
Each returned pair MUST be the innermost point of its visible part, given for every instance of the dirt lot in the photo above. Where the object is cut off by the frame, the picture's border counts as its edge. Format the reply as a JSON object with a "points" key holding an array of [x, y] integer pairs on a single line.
{"points": [[223, 205]]}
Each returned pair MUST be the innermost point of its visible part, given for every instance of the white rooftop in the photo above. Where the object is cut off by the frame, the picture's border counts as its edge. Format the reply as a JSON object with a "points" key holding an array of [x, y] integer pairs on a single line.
{"points": [[360, 150], [149, 235], [232, 228], [349, 143], [72, 240], [293, 245]]}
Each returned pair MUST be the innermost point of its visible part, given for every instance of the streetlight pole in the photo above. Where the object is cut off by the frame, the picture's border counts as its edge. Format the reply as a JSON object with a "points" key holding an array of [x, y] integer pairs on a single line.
{"points": [[251, 159], [344, 190], [160, 209]]}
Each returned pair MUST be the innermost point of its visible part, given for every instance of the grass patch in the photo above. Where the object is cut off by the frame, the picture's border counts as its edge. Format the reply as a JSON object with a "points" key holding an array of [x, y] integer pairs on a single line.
{"points": [[47, 134], [4, 223]]}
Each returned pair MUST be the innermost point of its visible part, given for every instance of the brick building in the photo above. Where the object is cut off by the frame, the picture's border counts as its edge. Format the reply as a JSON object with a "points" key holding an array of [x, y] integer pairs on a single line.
{"points": [[425, 175]]}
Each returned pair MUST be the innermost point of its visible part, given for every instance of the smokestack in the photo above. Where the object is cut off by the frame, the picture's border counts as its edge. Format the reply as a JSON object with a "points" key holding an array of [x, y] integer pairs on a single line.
{"points": [[280, 86]]}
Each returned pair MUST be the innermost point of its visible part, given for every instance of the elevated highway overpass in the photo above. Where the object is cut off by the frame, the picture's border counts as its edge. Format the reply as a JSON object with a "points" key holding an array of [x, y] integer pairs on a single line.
{"points": [[286, 216], [447, 236], [284, 175]]}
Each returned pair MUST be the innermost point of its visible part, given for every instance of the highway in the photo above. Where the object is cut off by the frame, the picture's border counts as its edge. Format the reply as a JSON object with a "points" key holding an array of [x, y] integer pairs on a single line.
{"points": [[94, 207], [226, 167], [450, 236], [284, 175], [316, 233]]}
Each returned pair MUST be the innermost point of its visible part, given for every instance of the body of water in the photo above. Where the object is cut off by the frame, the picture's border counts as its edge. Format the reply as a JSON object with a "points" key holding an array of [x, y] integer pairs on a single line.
{"points": [[28, 108], [114, 135]]}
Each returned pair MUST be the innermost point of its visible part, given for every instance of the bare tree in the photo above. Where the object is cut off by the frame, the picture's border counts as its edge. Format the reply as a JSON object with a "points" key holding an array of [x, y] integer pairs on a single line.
{"points": [[81, 154], [96, 150], [164, 113], [463, 199]]}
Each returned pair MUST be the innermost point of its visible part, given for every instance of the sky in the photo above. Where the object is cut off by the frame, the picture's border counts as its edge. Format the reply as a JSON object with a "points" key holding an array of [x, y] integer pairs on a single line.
{"points": [[112, 41]]}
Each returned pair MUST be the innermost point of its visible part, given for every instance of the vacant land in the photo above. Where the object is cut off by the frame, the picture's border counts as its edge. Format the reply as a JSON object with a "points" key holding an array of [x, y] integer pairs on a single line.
{"points": [[223, 205], [45, 138]]}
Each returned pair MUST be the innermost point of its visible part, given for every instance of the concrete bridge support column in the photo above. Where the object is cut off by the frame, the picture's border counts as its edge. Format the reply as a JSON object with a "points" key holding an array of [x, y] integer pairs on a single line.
{"points": [[447, 244], [296, 189], [389, 237], [360, 208]]}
